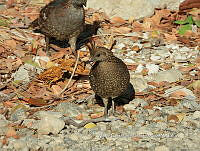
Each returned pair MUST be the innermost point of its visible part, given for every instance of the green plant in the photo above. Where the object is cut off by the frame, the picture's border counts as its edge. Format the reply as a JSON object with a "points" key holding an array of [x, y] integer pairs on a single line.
{"points": [[186, 24], [4, 22]]}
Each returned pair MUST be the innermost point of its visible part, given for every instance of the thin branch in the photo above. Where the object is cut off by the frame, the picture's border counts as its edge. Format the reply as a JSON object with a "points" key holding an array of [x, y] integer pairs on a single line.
{"points": [[66, 86]]}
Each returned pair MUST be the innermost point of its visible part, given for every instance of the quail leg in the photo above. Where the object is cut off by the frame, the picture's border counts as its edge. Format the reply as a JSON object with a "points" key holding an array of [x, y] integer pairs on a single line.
{"points": [[47, 44], [113, 107], [105, 102], [72, 42]]}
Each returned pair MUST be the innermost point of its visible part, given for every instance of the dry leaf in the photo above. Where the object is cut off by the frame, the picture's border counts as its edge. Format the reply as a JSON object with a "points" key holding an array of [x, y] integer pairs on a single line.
{"points": [[118, 20], [79, 117], [90, 125], [56, 89], [37, 101], [11, 43], [180, 116], [178, 94], [96, 115], [11, 133]]}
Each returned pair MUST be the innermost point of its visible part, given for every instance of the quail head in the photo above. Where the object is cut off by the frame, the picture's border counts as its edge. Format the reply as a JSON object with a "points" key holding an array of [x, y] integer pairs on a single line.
{"points": [[61, 19], [109, 76]]}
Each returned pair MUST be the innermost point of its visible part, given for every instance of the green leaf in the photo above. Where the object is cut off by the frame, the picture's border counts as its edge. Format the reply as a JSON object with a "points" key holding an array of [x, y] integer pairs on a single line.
{"points": [[31, 62], [188, 20], [180, 22], [197, 22], [4, 22], [184, 28]]}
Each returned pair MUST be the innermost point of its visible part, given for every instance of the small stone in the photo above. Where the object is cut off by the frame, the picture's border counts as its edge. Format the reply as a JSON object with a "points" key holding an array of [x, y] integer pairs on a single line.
{"points": [[69, 109], [185, 49], [143, 131], [139, 68], [19, 113], [180, 135], [190, 104], [120, 46], [152, 68], [129, 107], [171, 75], [139, 102], [129, 61], [155, 58], [38, 59], [42, 114], [161, 148], [20, 145], [139, 83], [4, 123], [196, 114], [74, 137], [50, 125]]}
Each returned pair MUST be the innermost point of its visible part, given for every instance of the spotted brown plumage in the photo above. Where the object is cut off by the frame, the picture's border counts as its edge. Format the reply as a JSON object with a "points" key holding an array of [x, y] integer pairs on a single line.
{"points": [[109, 76], [61, 19]]}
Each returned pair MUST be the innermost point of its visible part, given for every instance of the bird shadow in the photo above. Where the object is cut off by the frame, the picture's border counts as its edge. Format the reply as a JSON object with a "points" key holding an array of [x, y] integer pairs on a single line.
{"points": [[123, 99], [89, 31]]}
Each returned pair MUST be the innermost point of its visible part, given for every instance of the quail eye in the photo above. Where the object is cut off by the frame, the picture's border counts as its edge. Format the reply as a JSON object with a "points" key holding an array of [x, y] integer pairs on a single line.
{"points": [[98, 55]]}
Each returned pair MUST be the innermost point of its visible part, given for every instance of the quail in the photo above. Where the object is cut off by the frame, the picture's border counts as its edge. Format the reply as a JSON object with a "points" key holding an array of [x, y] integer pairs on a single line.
{"points": [[109, 76], [63, 20]]}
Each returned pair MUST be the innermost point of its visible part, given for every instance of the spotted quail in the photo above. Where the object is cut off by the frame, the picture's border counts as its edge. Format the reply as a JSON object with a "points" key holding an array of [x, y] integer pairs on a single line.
{"points": [[63, 20], [109, 76]]}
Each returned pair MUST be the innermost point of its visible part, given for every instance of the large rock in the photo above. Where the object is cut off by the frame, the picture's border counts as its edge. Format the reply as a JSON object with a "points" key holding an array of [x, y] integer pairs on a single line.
{"points": [[132, 8]]}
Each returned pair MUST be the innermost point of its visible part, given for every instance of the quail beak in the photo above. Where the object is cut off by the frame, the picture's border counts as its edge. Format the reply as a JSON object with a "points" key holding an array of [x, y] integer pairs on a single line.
{"points": [[85, 2], [91, 61]]}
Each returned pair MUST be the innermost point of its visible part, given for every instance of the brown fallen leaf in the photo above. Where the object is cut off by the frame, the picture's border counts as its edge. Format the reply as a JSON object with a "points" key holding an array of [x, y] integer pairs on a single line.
{"points": [[97, 115], [56, 89], [10, 3], [11, 133], [188, 4], [121, 30], [37, 101], [11, 43], [52, 74], [79, 117], [178, 94], [187, 69], [118, 20]]}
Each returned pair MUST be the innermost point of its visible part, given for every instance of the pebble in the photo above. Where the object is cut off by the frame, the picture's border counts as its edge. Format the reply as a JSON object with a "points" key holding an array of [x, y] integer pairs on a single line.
{"points": [[161, 148], [19, 113], [42, 114], [152, 68], [129, 107], [50, 125], [69, 109], [139, 68], [139, 102], [129, 61], [185, 91], [155, 58], [20, 145], [196, 115], [50, 122], [171, 75], [139, 83]]}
